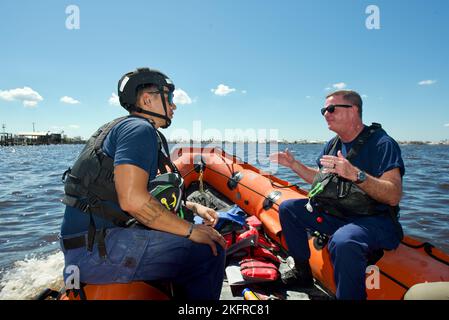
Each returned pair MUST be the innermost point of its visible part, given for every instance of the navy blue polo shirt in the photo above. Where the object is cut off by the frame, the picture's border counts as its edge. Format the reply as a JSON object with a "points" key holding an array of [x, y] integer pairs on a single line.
{"points": [[132, 141]]}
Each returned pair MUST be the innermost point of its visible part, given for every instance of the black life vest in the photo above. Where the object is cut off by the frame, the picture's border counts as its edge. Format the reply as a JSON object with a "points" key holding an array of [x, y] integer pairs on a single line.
{"points": [[90, 182], [342, 198]]}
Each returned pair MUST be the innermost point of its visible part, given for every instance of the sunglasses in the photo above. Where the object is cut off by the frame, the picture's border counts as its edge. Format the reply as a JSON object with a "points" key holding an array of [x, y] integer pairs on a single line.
{"points": [[169, 94], [331, 108]]}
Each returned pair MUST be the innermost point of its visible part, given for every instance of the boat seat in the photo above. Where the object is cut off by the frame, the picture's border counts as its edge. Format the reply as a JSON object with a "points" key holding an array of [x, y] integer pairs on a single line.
{"points": [[138, 290]]}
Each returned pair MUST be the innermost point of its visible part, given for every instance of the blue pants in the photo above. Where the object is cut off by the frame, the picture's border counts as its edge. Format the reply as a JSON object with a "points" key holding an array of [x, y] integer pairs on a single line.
{"points": [[352, 240], [135, 254]]}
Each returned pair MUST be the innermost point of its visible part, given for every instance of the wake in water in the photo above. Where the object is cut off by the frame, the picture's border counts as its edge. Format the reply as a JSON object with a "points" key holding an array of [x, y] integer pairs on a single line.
{"points": [[27, 278]]}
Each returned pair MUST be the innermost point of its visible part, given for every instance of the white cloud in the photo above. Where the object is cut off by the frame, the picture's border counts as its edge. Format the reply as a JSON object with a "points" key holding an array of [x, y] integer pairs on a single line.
{"points": [[181, 97], [26, 95], [30, 104], [327, 88], [427, 82], [244, 91], [69, 100], [339, 86], [222, 90], [74, 126], [446, 125], [114, 100], [364, 96], [308, 97]]}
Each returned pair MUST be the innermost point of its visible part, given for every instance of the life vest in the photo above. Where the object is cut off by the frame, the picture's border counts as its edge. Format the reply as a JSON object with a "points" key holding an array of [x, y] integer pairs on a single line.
{"points": [[90, 183], [256, 253], [342, 198]]}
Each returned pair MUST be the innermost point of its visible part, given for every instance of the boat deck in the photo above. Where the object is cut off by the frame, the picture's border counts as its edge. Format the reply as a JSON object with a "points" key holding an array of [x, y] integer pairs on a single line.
{"points": [[265, 290], [274, 291]]}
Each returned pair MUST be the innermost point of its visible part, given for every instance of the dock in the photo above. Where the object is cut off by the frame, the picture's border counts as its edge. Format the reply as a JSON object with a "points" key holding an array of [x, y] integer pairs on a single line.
{"points": [[30, 138]]}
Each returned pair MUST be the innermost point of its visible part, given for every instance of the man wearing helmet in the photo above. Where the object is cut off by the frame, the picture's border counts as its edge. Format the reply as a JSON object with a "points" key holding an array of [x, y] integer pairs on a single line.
{"points": [[106, 192]]}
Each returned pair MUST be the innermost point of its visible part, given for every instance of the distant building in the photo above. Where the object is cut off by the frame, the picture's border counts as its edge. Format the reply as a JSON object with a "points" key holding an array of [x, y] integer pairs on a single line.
{"points": [[38, 138], [6, 139]]}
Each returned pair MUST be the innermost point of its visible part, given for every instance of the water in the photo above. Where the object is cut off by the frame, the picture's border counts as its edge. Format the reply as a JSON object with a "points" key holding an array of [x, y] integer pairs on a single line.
{"points": [[31, 211]]}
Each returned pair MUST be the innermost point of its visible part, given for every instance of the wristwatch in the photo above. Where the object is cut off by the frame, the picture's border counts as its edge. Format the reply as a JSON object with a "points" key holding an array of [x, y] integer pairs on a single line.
{"points": [[361, 177]]}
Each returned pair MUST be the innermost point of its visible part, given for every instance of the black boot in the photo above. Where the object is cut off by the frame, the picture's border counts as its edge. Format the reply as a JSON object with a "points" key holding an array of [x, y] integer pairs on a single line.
{"points": [[298, 274]]}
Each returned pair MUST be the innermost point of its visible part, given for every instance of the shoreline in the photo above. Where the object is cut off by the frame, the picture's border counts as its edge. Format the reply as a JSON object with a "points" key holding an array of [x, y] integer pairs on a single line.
{"points": [[195, 143]]}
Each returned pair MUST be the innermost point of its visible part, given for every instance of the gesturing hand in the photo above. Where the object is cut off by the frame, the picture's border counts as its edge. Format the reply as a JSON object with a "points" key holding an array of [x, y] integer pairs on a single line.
{"points": [[285, 158], [339, 165]]}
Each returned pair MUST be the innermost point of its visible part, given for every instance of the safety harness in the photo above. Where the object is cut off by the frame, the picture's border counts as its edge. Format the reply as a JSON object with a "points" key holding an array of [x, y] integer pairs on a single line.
{"points": [[89, 186]]}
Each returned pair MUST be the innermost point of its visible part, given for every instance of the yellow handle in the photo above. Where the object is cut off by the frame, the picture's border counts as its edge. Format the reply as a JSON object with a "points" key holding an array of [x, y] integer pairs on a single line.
{"points": [[165, 203], [173, 204]]}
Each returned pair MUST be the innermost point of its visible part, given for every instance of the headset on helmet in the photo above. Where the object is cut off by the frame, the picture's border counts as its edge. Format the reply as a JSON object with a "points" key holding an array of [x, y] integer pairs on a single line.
{"points": [[133, 81]]}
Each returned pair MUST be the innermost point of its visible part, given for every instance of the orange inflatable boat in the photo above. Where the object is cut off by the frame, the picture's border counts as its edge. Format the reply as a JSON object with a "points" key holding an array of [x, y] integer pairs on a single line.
{"points": [[260, 194]]}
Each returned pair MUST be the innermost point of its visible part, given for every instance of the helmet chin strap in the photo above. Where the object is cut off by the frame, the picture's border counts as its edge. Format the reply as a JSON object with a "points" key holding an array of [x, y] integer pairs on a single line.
{"points": [[158, 115], [154, 114], [166, 118]]}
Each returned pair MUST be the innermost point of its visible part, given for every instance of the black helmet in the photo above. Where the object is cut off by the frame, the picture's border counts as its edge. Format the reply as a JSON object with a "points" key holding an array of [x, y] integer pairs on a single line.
{"points": [[133, 81]]}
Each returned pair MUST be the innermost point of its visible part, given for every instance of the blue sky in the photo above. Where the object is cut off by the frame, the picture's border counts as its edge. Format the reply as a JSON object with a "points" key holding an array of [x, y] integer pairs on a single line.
{"points": [[280, 57]]}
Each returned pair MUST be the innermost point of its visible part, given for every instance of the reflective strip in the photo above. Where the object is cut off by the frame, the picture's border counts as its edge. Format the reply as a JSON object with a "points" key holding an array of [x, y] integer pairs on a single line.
{"points": [[123, 84]]}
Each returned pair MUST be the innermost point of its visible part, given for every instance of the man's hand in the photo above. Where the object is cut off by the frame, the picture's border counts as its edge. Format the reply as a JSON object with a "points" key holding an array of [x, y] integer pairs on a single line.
{"points": [[207, 235], [285, 158], [210, 216], [339, 165]]}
